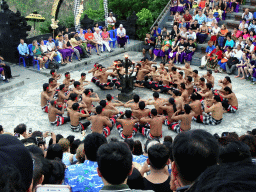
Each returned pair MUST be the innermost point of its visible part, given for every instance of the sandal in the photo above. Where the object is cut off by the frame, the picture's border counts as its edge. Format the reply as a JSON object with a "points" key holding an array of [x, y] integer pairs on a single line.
{"points": [[242, 78], [236, 76]]}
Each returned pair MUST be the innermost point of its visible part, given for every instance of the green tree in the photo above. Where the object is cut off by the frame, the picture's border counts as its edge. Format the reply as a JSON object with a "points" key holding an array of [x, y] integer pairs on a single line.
{"points": [[145, 20]]}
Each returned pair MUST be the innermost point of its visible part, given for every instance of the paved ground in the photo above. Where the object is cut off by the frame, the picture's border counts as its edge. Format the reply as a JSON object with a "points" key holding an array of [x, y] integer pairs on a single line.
{"points": [[22, 104]]}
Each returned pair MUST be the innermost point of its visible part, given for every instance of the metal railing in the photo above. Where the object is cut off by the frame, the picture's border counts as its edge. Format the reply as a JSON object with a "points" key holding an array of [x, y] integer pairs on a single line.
{"points": [[160, 17]]}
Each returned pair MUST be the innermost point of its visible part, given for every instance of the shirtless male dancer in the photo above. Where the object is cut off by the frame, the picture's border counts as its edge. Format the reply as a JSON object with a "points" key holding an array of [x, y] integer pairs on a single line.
{"points": [[55, 75], [45, 98], [157, 102], [207, 96], [217, 112], [140, 75], [110, 111], [196, 77], [100, 123], [87, 98], [185, 120], [78, 89], [67, 80], [140, 113], [134, 103], [74, 99], [195, 105], [170, 108], [184, 93], [226, 82], [187, 69], [63, 96], [55, 115], [209, 77], [154, 76], [112, 103], [231, 104], [83, 82], [153, 126], [104, 82], [75, 116], [126, 127], [53, 88], [189, 85], [179, 100]]}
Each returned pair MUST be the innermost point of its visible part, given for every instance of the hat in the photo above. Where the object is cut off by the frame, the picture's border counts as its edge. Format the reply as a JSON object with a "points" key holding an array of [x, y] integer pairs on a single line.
{"points": [[121, 25], [13, 152]]}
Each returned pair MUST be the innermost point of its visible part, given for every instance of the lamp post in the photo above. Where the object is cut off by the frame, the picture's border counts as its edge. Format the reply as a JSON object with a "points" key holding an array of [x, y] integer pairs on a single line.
{"points": [[126, 80]]}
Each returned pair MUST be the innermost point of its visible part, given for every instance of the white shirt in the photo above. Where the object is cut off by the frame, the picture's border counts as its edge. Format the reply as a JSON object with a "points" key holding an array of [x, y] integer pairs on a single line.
{"points": [[238, 54], [215, 30], [191, 36], [247, 17], [109, 20], [251, 48], [43, 48], [97, 36], [50, 45], [240, 43], [121, 32], [242, 26]]}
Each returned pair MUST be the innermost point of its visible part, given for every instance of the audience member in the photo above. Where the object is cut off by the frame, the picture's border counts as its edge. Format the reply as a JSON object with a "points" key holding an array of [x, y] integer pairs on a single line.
{"points": [[92, 142], [121, 36], [200, 149], [24, 52]]}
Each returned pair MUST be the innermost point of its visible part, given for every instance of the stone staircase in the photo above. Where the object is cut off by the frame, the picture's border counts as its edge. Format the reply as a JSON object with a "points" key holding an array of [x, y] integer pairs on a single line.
{"points": [[232, 20]]}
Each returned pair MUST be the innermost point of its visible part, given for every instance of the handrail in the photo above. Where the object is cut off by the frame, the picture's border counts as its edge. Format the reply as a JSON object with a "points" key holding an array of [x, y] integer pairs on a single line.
{"points": [[161, 14]]}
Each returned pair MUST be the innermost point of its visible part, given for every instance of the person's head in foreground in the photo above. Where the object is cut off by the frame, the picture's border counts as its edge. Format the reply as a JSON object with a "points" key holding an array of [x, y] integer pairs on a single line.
{"points": [[236, 171], [193, 152], [16, 165], [114, 163]]}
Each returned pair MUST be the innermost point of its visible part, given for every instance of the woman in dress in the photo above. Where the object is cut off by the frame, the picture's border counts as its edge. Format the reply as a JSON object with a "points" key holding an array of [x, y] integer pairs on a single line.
{"points": [[157, 51], [203, 33], [45, 51], [226, 57], [181, 53], [166, 47], [121, 36], [174, 49], [174, 6], [73, 49], [37, 53], [62, 48], [222, 35], [214, 57]]}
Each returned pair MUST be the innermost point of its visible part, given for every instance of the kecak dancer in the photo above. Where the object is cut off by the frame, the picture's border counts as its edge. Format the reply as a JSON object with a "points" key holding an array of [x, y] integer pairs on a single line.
{"points": [[126, 127]]}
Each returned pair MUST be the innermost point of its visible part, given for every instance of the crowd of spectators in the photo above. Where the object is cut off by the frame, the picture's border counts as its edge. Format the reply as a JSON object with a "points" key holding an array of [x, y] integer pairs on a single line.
{"points": [[229, 50], [68, 43], [194, 161]]}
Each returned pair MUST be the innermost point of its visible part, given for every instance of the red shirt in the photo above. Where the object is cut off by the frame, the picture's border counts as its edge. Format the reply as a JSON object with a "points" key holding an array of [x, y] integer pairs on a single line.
{"points": [[219, 54], [88, 36], [187, 17]]}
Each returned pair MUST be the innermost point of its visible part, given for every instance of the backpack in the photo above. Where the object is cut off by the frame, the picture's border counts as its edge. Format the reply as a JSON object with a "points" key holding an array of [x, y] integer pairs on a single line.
{"points": [[53, 65]]}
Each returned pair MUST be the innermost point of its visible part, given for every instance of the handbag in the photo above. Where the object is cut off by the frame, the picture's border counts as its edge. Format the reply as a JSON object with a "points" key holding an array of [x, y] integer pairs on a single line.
{"points": [[224, 60]]}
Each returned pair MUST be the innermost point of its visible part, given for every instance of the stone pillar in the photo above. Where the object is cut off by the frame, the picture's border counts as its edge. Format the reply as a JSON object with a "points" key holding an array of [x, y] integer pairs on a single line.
{"points": [[105, 2], [13, 27]]}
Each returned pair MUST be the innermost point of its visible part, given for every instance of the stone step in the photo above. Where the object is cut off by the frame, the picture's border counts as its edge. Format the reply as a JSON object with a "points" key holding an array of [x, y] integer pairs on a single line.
{"points": [[232, 24], [243, 7]]}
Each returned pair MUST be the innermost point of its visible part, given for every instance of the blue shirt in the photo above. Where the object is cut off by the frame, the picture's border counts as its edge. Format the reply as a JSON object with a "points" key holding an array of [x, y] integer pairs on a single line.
{"points": [[139, 159], [230, 43], [83, 177], [200, 19], [23, 49], [209, 49], [159, 32]]}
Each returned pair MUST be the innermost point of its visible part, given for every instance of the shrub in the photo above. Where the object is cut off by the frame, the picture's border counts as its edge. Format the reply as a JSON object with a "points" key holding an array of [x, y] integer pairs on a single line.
{"points": [[145, 20]]}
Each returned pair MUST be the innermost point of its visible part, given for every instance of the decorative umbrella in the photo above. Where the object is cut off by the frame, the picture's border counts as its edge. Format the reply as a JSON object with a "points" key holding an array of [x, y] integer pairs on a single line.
{"points": [[35, 17]]}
